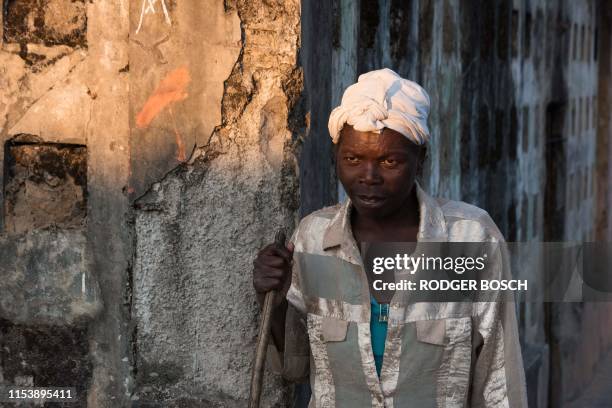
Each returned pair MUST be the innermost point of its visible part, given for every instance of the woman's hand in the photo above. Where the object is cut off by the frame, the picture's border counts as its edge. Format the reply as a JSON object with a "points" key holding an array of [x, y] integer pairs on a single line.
{"points": [[272, 271]]}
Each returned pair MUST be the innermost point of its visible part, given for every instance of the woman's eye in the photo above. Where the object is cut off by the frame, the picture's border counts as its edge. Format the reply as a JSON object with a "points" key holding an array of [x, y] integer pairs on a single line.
{"points": [[351, 159], [389, 162]]}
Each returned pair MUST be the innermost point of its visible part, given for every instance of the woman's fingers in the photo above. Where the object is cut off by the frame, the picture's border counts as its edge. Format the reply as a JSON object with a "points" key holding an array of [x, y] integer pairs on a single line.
{"points": [[272, 267], [274, 249], [273, 261], [268, 271], [267, 284], [267, 277]]}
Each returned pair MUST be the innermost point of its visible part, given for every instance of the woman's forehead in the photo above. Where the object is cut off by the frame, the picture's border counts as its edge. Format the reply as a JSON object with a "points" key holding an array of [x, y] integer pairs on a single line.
{"points": [[388, 139]]}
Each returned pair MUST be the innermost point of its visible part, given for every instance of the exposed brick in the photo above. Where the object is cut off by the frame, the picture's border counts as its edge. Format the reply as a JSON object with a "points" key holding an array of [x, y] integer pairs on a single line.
{"points": [[46, 184], [50, 22]]}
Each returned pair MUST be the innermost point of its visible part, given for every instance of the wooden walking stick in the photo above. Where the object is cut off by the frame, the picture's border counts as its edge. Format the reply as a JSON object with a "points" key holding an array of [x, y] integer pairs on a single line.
{"points": [[262, 338]]}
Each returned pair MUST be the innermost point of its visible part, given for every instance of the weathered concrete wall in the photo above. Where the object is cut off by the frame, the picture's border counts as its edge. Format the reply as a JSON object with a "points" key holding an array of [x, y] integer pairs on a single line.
{"points": [[198, 230], [34, 355], [180, 55], [99, 104], [46, 279], [62, 89]]}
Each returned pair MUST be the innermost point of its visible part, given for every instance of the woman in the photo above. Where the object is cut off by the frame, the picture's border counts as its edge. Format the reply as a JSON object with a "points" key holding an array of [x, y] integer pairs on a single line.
{"points": [[367, 348]]}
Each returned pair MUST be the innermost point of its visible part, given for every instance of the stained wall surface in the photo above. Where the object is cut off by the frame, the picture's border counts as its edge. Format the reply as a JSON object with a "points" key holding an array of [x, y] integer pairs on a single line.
{"points": [[64, 135], [127, 129], [198, 229]]}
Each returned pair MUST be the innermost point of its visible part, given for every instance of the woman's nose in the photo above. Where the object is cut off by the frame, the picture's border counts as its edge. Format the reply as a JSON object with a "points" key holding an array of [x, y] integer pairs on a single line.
{"points": [[371, 174]]}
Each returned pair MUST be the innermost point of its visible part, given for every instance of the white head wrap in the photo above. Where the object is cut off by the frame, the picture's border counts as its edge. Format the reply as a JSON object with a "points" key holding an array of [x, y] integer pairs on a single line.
{"points": [[382, 99]]}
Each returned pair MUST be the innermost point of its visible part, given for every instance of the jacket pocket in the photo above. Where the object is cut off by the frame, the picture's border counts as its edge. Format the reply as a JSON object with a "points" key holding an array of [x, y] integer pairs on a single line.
{"points": [[432, 332], [448, 331], [333, 329]]}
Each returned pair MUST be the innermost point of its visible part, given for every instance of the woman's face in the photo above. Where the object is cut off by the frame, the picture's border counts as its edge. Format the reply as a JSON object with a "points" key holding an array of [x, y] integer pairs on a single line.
{"points": [[377, 170]]}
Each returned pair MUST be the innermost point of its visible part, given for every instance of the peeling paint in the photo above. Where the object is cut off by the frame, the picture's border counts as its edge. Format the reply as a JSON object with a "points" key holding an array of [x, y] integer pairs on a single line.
{"points": [[188, 220]]}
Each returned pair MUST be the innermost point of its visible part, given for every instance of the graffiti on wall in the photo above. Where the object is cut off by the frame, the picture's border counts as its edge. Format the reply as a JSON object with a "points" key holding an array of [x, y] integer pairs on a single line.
{"points": [[171, 89], [148, 7]]}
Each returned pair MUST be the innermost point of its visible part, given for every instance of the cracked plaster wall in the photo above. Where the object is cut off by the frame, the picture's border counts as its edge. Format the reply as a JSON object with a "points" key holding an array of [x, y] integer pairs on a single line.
{"points": [[193, 99], [68, 89], [198, 229]]}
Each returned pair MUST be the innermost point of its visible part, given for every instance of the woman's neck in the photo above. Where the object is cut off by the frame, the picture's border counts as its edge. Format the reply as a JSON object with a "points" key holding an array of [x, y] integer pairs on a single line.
{"points": [[398, 226]]}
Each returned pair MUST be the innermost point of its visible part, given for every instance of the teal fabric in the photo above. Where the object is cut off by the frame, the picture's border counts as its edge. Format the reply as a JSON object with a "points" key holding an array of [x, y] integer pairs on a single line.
{"points": [[378, 332]]}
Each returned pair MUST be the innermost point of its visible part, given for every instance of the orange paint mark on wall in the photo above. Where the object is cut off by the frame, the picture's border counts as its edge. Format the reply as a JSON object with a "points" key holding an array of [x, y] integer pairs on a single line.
{"points": [[170, 89]]}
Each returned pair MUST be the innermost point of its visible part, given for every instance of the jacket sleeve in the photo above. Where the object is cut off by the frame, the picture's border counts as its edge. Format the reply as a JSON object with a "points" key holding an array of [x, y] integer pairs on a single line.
{"points": [[294, 362], [498, 377]]}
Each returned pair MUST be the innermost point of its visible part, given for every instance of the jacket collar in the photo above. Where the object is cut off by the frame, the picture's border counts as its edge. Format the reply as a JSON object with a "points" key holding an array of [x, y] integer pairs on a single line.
{"points": [[432, 225]]}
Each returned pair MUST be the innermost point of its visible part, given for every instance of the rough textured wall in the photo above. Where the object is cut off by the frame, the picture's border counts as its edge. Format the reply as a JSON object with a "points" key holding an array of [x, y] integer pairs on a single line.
{"points": [[62, 88], [180, 55], [53, 176], [99, 103], [46, 279], [198, 229]]}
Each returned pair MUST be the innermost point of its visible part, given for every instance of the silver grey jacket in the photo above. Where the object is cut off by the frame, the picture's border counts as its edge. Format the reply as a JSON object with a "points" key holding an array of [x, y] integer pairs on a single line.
{"points": [[452, 354]]}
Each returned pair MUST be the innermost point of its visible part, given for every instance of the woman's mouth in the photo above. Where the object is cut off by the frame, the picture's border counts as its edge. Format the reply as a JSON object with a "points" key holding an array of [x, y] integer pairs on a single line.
{"points": [[371, 201]]}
